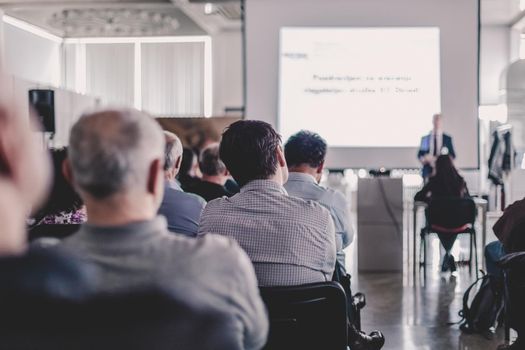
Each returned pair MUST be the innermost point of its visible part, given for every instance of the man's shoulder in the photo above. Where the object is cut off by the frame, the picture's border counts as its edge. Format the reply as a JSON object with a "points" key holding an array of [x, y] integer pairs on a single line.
{"points": [[213, 243], [194, 198], [191, 197], [306, 206], [216, 252], [333, 198], [219, 203]]}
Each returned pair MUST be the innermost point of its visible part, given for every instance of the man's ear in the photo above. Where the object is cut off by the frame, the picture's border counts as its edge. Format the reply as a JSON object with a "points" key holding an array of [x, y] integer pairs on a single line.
{"points": [[320, 168], [178, 163], [155, 176], [68, 172], [280, 157]]}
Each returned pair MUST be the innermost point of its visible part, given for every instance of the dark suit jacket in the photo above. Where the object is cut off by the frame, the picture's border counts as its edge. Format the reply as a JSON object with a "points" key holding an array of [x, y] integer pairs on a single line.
{"points": [[209, 191], [447, 147]]}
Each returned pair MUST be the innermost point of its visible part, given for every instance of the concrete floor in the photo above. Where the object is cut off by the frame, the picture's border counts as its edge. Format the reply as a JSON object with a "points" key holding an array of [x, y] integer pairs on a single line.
{"points": [[415, 315]]}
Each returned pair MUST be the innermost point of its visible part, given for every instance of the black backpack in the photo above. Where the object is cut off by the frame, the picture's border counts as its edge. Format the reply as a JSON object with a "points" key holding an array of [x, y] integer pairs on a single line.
{"points": [[486, 308]]}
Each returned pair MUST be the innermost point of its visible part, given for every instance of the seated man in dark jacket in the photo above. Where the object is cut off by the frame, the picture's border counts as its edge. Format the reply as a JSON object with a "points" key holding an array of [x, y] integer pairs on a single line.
{"points": [[214, 175]]}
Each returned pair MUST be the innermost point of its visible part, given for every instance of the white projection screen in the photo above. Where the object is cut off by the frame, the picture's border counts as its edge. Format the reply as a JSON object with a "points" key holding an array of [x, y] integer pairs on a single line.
{"points": [[366, 75], [363, 80]]}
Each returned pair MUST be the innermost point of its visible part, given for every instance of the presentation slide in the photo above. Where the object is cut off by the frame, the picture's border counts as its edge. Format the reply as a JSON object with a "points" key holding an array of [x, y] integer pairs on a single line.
{"points": [[360, 87]]}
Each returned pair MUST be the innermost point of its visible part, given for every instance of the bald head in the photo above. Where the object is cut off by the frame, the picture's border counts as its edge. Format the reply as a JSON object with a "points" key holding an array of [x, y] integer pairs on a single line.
{"points": [[111, 152]]}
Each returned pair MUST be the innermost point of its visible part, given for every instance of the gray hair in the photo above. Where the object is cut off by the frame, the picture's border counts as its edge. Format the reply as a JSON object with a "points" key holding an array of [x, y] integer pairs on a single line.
{"points": [[210, 162], [173, 150], [111, 151]]}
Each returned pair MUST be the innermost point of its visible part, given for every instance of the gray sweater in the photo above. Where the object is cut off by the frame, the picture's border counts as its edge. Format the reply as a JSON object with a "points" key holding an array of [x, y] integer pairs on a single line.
{"points": [[210, 271]]}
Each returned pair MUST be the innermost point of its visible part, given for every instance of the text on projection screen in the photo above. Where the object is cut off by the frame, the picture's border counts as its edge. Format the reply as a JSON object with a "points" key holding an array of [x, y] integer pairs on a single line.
{"points": [[360, 87]]}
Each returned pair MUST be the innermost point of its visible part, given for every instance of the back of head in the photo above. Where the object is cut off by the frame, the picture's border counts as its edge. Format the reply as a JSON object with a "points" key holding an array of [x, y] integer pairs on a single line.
{"points": [[172, 151], [188, 157], [448, 176], [305, 148], [248, 148], [111, 151], [445, 166], [210, 162], [63, 197]]}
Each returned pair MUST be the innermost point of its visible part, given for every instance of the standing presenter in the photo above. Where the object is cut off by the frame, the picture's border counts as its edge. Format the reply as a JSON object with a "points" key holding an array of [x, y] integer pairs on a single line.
{"points": [[433, 145]]}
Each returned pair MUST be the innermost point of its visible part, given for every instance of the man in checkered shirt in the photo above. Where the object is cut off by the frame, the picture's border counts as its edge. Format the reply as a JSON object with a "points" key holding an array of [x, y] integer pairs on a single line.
{"points": [[290, 241]]}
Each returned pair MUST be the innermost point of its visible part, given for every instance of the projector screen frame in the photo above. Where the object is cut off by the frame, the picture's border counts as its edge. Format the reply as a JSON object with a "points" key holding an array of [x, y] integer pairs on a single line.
{"points": [[357, 165]]}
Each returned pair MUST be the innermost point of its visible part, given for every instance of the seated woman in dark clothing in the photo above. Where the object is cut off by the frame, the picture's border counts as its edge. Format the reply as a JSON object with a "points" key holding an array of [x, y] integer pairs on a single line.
{"points": [[445, 183]]}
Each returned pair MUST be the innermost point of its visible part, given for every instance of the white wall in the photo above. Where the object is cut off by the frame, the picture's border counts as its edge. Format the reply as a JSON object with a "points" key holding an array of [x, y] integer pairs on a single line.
{"points": [[494, 58], [31, 57], [227, 71], [69, 106], [458, 23]]}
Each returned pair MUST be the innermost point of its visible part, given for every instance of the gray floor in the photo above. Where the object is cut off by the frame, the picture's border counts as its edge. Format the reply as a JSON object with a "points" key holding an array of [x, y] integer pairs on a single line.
{"points": [[415, 315]]}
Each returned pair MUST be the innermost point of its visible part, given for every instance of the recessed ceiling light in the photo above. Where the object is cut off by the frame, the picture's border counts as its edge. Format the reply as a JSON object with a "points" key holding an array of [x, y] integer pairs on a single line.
{"points": [[209, 9]]}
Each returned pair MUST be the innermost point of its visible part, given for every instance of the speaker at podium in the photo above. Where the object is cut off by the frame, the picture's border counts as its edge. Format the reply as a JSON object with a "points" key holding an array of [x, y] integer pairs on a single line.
{"points": [[380, 224]]}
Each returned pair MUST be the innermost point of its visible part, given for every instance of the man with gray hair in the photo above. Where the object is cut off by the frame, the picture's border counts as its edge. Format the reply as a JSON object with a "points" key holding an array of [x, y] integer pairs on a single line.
{"points": [[182, 210], [214, 175], [116, 164]]}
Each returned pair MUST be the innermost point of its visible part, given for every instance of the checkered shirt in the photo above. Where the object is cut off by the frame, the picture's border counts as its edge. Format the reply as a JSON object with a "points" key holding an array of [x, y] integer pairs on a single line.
{"points": [[289, 240]]}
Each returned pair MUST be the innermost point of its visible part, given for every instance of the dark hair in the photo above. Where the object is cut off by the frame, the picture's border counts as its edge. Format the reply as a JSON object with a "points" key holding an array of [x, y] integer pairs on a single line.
{"points": [[63, 197], [187, 161], [209, 161], [305, 147], [249, 150], [448, 178]]}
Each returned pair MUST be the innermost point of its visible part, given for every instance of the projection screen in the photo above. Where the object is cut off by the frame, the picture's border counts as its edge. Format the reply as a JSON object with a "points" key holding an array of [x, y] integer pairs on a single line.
{"points": [[366, 75]]}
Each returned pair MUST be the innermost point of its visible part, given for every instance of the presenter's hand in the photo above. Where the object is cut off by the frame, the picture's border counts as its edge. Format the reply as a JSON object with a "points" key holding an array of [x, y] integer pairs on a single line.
{"points": [[428, 159]]}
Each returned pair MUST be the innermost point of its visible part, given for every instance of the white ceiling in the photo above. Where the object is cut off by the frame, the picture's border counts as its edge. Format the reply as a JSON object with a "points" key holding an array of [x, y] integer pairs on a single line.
{"points": [[191, 15], [39, 12]]}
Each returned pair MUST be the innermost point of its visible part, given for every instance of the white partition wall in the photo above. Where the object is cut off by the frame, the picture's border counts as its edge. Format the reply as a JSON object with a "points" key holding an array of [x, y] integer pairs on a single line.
{"points": [[110, 72], [165, 76], [173, 78]]}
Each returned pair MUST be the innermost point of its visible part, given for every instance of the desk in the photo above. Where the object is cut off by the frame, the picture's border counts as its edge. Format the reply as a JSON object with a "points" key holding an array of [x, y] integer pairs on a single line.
{"points": [[482, 207]]}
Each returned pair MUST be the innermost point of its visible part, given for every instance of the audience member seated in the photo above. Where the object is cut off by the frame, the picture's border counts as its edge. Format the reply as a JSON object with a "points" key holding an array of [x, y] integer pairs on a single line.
{"points": [[305, 154], [214, 175], [182, 210], [116, 160], [289, 240], [510, 238], [63, 207], [445, 183], [22, 270], [189, 173], [135, 320]]}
